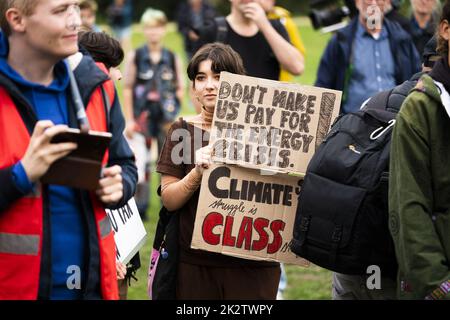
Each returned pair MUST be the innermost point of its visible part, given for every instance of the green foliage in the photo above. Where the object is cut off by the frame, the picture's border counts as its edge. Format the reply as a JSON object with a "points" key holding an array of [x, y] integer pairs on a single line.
{"points": [[295, 6], [169, 6]]}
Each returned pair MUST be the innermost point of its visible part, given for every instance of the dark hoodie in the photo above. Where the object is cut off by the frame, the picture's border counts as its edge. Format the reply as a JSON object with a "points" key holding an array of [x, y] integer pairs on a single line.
{"points": [[69, 224]]}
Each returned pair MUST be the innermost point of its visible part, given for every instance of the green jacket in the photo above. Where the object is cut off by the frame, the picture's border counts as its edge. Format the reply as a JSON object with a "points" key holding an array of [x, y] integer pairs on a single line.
{"points": [[419, 194]]}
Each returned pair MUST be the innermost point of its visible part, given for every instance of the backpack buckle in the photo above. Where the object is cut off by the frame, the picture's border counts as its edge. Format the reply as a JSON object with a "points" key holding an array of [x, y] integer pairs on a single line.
{"points": [[302, 230], [382, 130], [335, 238], [337, 234], [304, 224]]}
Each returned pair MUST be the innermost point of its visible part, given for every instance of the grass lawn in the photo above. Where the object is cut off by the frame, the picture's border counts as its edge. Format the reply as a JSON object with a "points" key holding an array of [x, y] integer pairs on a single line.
{"points": [[303, 283]]}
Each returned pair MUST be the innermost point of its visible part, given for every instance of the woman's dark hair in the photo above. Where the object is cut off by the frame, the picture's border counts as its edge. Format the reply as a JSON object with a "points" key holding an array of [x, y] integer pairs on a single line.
{"points": [[442, 46], [223, 58], [102, 47]]}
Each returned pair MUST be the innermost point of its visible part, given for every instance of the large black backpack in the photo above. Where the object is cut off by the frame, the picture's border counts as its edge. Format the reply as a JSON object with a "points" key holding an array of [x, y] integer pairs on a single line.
{"points": [[342, 216]]}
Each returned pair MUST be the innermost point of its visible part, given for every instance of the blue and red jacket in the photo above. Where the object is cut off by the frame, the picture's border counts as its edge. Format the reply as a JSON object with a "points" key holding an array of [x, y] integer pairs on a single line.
{"points": [[25, 244]]}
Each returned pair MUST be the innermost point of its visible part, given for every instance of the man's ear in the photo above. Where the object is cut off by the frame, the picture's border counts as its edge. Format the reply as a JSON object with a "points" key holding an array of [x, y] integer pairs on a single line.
{"points": [[15, 20], [444, 30]]}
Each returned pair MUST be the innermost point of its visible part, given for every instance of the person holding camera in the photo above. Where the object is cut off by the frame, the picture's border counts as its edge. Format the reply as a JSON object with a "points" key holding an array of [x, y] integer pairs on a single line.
{"points": [[370, 55]]}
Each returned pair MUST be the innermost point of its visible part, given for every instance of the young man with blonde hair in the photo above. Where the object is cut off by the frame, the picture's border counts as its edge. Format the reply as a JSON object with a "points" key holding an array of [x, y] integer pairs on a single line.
{"points": [[55, 241]]}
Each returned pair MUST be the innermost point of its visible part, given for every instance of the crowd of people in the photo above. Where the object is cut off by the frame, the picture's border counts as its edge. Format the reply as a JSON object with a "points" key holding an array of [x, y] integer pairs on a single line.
{"points": [[47, 44]]}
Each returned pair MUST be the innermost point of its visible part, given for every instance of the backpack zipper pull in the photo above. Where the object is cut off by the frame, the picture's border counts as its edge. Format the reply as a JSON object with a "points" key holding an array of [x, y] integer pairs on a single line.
{"points": [[353, 148]]}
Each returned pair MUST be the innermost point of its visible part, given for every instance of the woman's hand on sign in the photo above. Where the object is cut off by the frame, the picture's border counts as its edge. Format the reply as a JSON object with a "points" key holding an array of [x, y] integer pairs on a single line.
{"points": [[121, 270], [203, 159], [110, 189], [41, 153]]}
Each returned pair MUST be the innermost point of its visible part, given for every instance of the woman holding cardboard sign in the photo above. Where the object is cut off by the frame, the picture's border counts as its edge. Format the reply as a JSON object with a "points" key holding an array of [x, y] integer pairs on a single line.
{"points": [[201, 274]]}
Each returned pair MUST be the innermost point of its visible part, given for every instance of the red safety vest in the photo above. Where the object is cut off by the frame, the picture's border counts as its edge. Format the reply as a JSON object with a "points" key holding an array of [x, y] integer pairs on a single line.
{"points": [[21, 224]]}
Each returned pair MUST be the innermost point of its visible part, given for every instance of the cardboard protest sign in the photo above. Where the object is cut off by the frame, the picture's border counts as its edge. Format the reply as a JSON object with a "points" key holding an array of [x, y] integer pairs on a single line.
{"points": [[244, 214], [265, 124], [129, 231]]}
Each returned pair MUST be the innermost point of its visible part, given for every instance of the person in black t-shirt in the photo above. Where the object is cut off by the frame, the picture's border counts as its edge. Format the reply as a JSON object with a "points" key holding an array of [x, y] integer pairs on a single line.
{"points": [[263, 45]]}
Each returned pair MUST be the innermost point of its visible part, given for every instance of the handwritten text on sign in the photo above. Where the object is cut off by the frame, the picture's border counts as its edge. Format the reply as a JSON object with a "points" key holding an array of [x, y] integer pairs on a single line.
{"points": [[267, 124], [244, 214]]}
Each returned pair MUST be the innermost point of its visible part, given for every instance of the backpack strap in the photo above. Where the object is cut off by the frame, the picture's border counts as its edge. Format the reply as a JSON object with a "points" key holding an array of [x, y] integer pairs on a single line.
{"points": [[140, 55], [168, 58], [164, 214], [336, 238], [184, 126], [107, 104], [304, 228], [108, 94], [141, 58], [222, 29], [379, 101]]}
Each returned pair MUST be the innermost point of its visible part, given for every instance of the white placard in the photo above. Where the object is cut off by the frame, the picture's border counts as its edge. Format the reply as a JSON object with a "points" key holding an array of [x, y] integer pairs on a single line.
{"points": [[129, 231]]}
